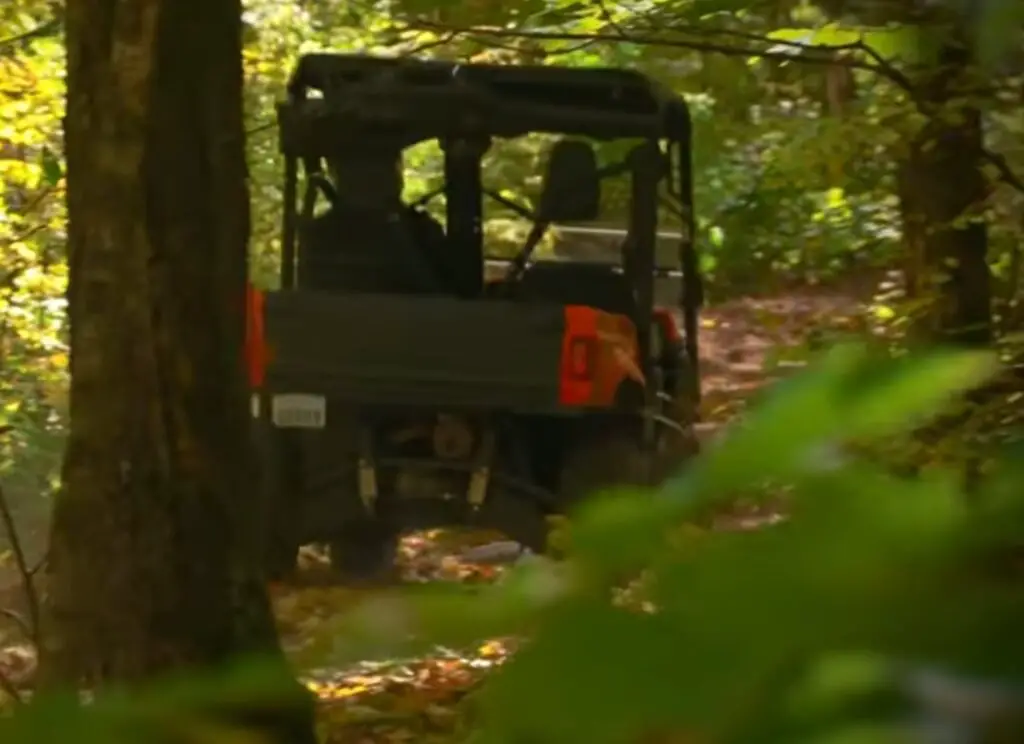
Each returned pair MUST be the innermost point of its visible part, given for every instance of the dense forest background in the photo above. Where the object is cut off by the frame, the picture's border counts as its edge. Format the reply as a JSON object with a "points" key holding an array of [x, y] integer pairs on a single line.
{"points": [[856, 148], [802, 121]]}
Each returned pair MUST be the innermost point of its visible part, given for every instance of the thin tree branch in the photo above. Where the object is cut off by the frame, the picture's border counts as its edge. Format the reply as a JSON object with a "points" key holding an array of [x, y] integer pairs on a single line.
{"points": [[837, 54], [40, 565], [881, 65], [43, 29], [891, 71], [809, 53], [24, 235], [451, 36], [1006, 174], [796, 52], [21, 622], [27, 585], [446, 38], [37, 200], [260, 128], [10, 689], [609, 19]]}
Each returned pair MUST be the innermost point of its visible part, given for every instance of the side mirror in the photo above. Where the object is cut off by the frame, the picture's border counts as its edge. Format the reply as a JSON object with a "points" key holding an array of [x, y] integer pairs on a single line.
{"points": [[572, 184]]}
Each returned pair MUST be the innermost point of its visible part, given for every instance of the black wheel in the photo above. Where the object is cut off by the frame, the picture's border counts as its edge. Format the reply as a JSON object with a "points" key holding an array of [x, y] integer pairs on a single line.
{"points": [[365, 553], [677, 441], [603, 460]]}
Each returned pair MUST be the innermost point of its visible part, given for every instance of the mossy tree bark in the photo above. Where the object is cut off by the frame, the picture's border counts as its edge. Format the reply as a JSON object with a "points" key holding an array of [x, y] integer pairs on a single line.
{"points": [[151, 565], [940, 183], [942, 191]]}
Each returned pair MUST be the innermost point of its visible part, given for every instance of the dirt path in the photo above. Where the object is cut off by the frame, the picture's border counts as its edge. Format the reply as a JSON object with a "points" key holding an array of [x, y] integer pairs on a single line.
{"points": [[751, 341]]}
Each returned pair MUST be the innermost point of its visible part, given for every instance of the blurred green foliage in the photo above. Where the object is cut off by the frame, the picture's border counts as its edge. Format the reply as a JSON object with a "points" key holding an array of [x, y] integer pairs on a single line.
{"points": [[866, 616], [183, 709], [883, 609]]}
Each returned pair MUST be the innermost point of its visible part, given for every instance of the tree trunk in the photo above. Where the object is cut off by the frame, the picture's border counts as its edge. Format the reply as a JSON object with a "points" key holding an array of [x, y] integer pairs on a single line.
{"points": [[942, 191], [152, 558]]}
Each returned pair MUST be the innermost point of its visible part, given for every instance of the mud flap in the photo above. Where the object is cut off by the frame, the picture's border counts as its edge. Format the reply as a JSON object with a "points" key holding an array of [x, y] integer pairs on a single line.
{"points": [[480, 477], [367, 472]]}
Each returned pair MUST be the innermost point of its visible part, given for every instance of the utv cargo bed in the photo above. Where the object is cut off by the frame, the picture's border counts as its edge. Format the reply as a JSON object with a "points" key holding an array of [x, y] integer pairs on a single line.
{"points": [[402, 350]]}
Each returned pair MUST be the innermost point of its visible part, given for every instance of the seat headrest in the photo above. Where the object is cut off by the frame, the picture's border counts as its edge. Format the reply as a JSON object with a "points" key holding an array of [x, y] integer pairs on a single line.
{"points": [[572, 183]]}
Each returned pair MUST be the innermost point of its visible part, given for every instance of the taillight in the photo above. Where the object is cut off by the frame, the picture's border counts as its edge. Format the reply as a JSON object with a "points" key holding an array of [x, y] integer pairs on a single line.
{"points": [[669, 328], [255, 342], [578, 360], [582, 351]]}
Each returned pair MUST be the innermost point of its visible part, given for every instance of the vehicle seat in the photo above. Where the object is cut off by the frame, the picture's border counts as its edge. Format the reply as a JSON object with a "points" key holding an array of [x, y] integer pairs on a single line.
{"points": [[349, 250], [595, 285], [459, 273]]}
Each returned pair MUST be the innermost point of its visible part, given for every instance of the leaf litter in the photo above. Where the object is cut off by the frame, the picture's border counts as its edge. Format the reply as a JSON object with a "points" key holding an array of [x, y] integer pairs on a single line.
{"points": [[396, 700]]}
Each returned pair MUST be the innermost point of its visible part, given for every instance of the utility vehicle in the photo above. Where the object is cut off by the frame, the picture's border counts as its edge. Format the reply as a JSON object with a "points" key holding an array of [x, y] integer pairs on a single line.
{"points": [[394, 388]]}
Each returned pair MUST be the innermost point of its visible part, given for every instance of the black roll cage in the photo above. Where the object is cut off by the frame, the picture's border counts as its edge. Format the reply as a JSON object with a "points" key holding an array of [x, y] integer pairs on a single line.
{"points": [[339, 100]]}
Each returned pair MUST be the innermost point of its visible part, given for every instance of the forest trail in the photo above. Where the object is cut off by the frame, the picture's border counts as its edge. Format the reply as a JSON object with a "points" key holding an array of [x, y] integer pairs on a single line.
{"points": [[754, 340]]}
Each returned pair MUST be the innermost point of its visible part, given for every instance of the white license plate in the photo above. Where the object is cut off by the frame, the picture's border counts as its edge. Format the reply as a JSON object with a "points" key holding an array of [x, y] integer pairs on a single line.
{"points": [[296, 411]]}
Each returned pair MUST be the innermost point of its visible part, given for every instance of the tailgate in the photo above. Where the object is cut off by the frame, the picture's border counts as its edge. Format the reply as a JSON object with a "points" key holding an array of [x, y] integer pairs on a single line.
{"points": [[430, 351]]}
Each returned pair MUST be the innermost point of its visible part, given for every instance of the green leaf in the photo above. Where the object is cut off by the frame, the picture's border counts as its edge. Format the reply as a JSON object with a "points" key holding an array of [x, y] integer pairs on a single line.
{"points": [[997, 29], [892, 397], [618, 531], [849, 394], [170, 707], [888, 43], [699, 10], [52, 169], [595, 689]]}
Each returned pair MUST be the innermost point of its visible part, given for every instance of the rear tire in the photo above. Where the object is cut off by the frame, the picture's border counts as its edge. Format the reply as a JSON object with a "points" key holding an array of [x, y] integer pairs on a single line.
{"points": [[603, 461], [365, 553], [676, 446], [618, 458]]}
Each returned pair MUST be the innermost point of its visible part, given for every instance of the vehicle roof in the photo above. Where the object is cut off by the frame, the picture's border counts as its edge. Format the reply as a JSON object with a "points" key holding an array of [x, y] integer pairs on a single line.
{"points": [[429, 98], [627, 89]]}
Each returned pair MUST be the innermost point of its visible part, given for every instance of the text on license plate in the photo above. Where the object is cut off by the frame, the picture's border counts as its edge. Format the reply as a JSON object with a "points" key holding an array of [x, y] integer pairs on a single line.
{"points": [[298, 411]]}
